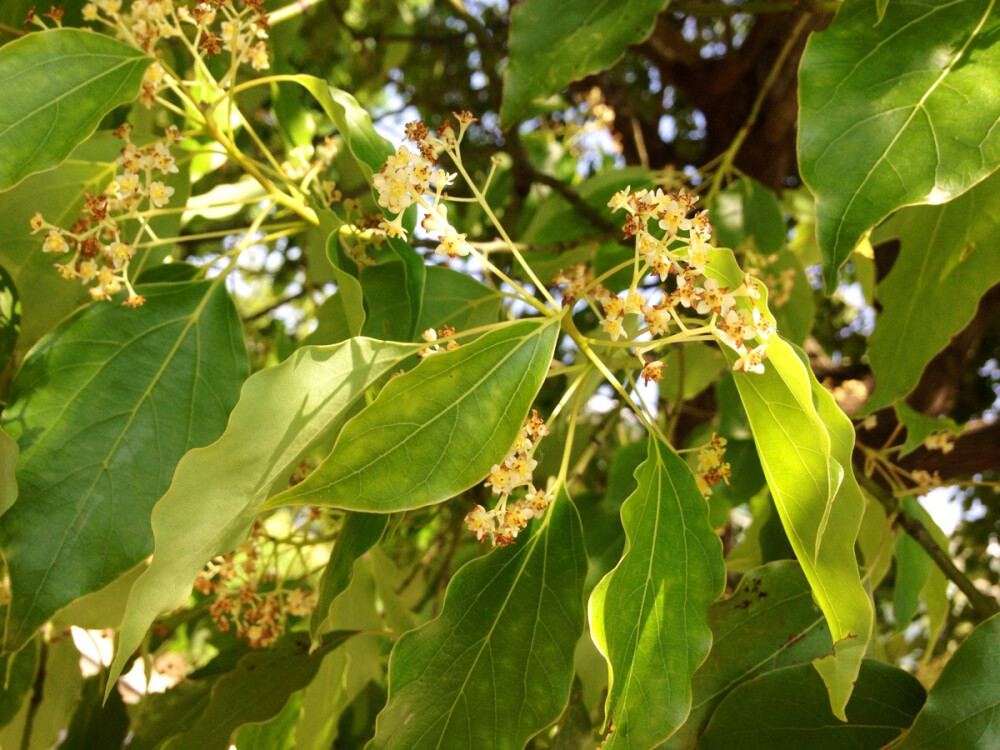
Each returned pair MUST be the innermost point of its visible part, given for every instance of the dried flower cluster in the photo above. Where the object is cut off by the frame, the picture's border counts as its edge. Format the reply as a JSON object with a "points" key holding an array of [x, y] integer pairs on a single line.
{"points": [[431, 336], [502, 524], [237, 582], [97, 252]]}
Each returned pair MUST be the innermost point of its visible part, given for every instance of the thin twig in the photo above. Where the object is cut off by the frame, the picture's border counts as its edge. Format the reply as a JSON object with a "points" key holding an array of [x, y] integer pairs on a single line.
{"points": [[984, 605]]}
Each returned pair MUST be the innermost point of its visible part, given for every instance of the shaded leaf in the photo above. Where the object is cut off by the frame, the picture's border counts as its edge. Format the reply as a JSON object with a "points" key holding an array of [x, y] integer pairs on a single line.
{"points": [[553, 44], [436, 430], [770, 621], [228, 481], [58, 84], [747, 211], [913, 567], [95, 723], [102, 410], [17, 674], [896, 112], [276, 734], [947, 253], [496, 666], [781, 708], [8, 479], [256, 690], [10, 322], [649, 615], [358, 533]]}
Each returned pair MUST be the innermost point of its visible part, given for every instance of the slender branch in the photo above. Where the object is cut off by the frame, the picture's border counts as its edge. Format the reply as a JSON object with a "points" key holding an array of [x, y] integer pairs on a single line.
{"points": [[760, 6], [984, 605], [11, 31]]}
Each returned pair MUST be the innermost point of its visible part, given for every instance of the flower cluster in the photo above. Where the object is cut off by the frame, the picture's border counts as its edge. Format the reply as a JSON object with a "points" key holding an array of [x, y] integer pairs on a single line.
{"points": [[411, 176], [940, 441], [712, 466], [502, 524], [673, 246], [94, 245], [236, 581], [218, 25], [431, 336]]}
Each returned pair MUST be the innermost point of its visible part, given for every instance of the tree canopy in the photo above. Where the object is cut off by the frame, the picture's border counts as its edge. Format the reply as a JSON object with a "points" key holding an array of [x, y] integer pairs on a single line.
{"points": [[485, 374]]}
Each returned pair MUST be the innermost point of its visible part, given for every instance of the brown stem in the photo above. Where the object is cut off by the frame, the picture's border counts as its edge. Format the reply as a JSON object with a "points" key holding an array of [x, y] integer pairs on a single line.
{"points": [[984, 605]]}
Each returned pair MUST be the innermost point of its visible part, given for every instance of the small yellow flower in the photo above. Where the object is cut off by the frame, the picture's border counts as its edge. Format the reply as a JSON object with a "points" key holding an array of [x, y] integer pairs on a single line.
{"points": [[159, 194]]}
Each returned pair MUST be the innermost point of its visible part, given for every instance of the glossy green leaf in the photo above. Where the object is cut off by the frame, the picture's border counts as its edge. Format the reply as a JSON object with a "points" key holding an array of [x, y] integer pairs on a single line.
{"points": [[358, 533], [913, 567], [103, 408], [649, 615], [256, 690], [436, 430], [895, 113], [770, 621], [57, 86], [805, 444], [229, 480], [353, 122], [962, 705], [947, 253], [8, 479], [496, 666], [780, 709], [553, 44]]}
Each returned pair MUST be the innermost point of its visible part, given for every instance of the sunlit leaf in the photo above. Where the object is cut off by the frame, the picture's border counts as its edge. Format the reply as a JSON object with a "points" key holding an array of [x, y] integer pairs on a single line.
{"points": [[102, 409], [895, 112], [496, 666], [770, 621], [217, 491], [436, 430], [649, 615], [947, 254], [777, 710], [57, 87], [553, 44]]}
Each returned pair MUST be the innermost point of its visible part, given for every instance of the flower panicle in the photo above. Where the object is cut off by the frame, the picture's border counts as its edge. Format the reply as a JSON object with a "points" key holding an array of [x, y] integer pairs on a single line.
{"points": [[505, 521]]}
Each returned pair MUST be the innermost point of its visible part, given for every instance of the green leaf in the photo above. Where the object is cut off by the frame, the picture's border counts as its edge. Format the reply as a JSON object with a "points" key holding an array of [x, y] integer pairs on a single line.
{"points": [[748, 212], [780, 709], [496, 666], [8, 479], [913, 566], [218, 490], [920, 426], [895, 113], [10, 322], [358, 533], [57, 86], [276, 734], [450, 298], [103, 408], [94, 723], [770, 621], [805, 444], [17, 675], [649, 615], [947, 253], [353, 122], [553, 44], [256, 690], [436, 430]]}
